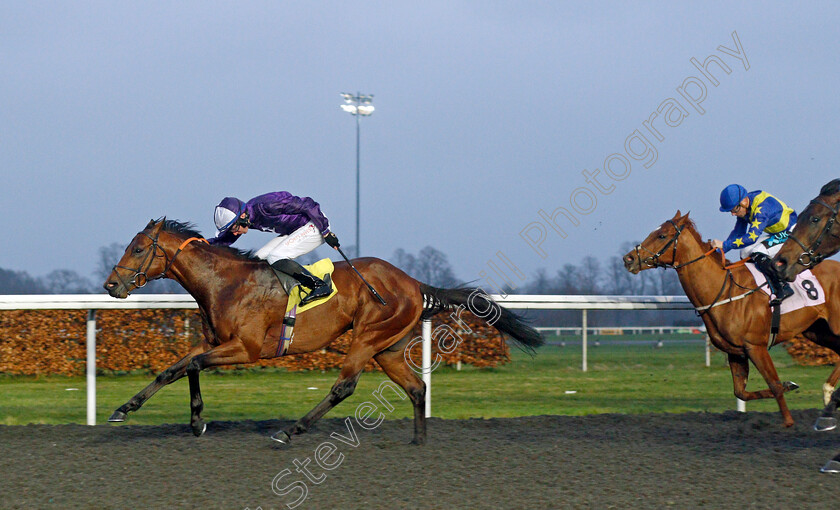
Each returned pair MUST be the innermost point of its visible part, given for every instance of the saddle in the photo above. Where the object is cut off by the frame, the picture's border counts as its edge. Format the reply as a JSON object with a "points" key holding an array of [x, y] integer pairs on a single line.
{"points": [[322, 269]]}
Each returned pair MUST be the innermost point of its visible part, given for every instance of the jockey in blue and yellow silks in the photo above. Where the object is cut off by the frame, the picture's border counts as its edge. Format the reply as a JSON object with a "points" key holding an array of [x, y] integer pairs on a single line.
{"points": [[763, 224]]}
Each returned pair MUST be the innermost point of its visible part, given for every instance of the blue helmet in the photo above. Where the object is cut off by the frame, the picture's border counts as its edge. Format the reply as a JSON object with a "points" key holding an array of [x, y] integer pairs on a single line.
{"points": [[226, 213], [731, 196]]}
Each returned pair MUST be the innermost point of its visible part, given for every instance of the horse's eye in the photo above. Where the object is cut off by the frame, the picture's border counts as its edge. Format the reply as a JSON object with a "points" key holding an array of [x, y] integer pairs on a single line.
{"points": [[138, 250], [661, 236], [815, 220]]}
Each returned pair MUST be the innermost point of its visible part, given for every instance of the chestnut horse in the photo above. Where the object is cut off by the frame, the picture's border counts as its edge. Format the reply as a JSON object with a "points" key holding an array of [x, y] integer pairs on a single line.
{"points": [[242, 304], [740, 327]]}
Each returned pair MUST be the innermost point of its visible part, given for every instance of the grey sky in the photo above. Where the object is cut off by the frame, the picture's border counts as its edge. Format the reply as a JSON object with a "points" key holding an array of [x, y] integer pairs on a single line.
{"points": [[486, 113]]}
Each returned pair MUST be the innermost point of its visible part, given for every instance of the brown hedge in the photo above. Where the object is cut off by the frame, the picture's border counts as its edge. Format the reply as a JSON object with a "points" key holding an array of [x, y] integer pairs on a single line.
{"points": [[805, 352], [41, 342]]}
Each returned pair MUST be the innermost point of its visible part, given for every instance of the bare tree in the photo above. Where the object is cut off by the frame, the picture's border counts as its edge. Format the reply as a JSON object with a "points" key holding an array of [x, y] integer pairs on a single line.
{"points": [[108, 258], [404, 261], [567, 279], [619, 279], [430, 266], [590, 275], [65, 281]]}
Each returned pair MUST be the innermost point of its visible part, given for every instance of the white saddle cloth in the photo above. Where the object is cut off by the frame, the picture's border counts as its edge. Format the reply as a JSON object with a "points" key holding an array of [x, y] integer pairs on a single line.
{"points": [[807, 290]]}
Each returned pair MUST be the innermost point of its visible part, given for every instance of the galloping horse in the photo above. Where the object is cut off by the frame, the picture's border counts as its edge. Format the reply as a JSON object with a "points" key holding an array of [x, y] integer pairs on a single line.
{"points": [[815, 237], [242, 305], [740, 327]]}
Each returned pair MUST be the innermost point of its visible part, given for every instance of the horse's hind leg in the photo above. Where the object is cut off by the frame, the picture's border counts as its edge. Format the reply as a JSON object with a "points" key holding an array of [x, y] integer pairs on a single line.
{"points": [[363, 347], [394, 364], [762, 361], [168, 376], [343, 388]]}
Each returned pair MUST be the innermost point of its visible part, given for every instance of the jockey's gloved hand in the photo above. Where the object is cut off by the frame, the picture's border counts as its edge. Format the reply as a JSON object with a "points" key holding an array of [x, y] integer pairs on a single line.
{"points": [[332, 240]]}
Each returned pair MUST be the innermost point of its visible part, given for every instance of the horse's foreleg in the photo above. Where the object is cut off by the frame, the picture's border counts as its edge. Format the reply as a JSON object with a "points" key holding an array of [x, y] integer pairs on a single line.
{"points": [[229, 353], [740, 368], [168, 376], [762, 361], [831, 384], [827, 421]]}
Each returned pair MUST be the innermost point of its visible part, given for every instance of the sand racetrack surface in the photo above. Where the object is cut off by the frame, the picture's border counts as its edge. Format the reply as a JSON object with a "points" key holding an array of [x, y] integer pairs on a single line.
{"points": [[695, 460]]}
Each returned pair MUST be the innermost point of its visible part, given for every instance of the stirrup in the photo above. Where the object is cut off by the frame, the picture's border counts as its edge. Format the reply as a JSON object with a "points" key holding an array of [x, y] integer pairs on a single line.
{"points": [[785, 292], [319, 292]]}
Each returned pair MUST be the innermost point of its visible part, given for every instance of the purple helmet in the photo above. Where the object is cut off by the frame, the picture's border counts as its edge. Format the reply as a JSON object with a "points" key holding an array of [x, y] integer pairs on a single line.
{"points": [[226, 214]]}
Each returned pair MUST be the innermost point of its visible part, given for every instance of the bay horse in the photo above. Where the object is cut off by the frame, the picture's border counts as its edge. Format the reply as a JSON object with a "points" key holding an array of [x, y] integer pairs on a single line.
{"points": [[242, 305], [740, 327], [815, 236]]}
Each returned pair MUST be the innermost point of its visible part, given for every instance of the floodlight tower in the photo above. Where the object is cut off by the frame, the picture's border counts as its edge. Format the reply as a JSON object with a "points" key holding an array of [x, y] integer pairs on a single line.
{"points": [[357, 105]]}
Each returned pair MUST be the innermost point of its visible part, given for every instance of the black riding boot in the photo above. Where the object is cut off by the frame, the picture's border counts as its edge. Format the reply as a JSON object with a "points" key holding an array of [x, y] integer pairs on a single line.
{"points": [[318, 287], [780, 288]]}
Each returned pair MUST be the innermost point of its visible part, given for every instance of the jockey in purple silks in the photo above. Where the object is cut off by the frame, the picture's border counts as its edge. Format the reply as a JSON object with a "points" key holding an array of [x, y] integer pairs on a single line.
{"points": [[299, 221]]}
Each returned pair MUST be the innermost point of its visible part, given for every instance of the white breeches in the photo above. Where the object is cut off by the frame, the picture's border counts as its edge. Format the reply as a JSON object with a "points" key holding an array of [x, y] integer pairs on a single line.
{"points": [[768, 244], [299, 242]]}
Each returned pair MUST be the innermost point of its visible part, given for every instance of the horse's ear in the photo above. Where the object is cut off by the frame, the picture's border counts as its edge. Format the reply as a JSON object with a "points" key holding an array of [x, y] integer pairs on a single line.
{"points": [[677, 216], [156, 226], [150, 224]]}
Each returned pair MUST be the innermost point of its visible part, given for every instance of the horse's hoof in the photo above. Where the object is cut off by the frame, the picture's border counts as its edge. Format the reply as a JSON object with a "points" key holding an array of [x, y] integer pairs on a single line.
{"points": [[790, 386], [417, 442], [825, 423], [117, 417], [282, 437], [832, 466], [199, 428]]}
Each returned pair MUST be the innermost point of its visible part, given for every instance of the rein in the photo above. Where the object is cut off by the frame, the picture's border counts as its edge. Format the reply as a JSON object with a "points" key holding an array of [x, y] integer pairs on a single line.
{"points": [[653, 261], [809, 258], [140, 278]]}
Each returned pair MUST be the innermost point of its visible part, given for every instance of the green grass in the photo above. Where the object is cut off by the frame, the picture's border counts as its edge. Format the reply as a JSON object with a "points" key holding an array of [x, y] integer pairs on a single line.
{"points": [[621, 379]]}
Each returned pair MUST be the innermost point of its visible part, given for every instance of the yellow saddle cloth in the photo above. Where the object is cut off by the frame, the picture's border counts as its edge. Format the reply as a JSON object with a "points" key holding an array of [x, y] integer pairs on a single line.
{"points": [[320, 269]]}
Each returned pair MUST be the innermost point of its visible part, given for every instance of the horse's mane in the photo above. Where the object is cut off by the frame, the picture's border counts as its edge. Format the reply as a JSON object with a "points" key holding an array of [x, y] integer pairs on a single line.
{"points": [[831, 188], [706, 246], [187, 229]]}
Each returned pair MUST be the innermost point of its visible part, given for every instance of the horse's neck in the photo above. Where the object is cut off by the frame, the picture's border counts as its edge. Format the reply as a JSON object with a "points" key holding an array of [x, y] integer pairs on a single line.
{"points": [[702, 279], [204, 274]]}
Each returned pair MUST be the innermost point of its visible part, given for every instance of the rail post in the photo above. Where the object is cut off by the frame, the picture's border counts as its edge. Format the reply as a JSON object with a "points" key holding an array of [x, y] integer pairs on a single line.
{"points": [[91, 367], [427, 364], [583, 342]]}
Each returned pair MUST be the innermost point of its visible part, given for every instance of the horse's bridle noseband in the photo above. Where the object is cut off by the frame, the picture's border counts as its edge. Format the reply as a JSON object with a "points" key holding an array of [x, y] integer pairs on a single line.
{"points": [[809, 258], [140, 278], [653, 260]]}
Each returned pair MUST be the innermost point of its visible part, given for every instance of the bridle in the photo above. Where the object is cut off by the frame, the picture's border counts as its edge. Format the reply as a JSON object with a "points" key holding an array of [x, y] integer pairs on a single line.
{"points": [[141, 278], [653, 260], [809, 257]]}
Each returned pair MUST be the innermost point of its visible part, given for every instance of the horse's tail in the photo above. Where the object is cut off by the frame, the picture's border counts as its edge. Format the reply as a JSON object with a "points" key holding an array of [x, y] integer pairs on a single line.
{"points": [[477, 302]]}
